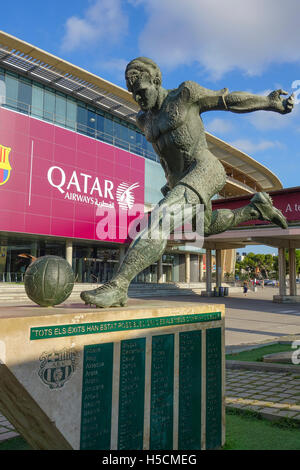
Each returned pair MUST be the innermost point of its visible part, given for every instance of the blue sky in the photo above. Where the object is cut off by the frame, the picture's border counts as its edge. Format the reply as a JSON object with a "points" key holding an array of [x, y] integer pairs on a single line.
{"points": [[240, 44]]}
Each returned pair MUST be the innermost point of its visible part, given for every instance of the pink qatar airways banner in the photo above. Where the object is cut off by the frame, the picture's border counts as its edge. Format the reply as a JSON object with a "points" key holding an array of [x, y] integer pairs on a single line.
{"points": [[56, 182]]}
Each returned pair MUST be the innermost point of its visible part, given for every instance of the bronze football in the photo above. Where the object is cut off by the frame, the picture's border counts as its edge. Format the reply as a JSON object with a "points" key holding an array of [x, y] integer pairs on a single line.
{"points": [[49, 281]]}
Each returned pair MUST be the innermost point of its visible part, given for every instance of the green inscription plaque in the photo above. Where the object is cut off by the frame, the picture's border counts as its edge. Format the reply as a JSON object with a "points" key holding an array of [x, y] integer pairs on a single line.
{"points": [[213, 388], [96, 397], [79, 329], [189, 427], [162, 384], [131, 396]]}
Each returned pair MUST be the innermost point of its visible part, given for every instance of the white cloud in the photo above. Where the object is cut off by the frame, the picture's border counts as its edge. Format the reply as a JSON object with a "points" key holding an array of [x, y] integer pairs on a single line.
{"points": [[265, 120], [268, 120], [115, 66], [219, 126], [135, 3], [102, 21], [222, 36], [248, 146]]}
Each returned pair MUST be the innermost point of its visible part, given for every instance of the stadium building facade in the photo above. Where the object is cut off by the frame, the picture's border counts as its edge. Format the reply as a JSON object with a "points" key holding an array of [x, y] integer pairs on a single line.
{"points": [[69, 149]]}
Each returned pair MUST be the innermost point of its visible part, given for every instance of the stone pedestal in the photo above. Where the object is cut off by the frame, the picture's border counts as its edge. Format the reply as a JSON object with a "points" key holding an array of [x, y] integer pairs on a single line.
{"points": [[141, 377]]}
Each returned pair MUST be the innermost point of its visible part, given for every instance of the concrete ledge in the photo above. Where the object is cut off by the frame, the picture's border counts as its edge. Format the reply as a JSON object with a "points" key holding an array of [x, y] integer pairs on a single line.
{"points": [[262, 366], [286, 299]]}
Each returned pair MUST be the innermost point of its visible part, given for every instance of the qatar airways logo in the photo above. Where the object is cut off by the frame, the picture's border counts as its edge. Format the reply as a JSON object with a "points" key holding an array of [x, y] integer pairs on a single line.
{"points": [[125, 196], [82, 187]]}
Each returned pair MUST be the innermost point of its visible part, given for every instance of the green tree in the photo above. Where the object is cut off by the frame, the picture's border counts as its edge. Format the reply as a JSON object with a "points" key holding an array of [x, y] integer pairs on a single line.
{"points": [[252, 261], [274, 269]]}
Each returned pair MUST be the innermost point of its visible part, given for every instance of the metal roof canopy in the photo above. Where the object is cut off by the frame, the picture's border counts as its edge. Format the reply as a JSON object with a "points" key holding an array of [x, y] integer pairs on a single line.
{"points": [[273, 236], [37, 64], [240, 160]]}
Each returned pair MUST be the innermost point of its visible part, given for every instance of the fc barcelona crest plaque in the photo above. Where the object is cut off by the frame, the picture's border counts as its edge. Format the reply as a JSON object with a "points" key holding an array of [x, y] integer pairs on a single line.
{"points": [[5, 167], [57, 367]]}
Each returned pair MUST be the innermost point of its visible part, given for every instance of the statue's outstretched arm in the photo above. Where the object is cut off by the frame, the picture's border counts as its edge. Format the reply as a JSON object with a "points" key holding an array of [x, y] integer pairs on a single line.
{"points": [[243, 102]]}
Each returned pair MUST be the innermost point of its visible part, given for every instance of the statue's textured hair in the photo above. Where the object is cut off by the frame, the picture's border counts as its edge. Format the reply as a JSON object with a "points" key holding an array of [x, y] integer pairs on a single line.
{"points": [[143, 64]]}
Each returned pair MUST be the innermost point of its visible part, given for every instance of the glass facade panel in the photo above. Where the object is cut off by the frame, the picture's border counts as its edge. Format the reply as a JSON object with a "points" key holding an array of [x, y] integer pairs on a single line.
{"points": [[117, 130], [2, 87], [139, 142], [124, 137], [99, 127], [12, 85], [24, 96], [144, 145], [119, 134], [132, 140], [49, 105], [108, 131], [60, 109], [37, 107], [82, 117], [71, 113], [91, 121]]}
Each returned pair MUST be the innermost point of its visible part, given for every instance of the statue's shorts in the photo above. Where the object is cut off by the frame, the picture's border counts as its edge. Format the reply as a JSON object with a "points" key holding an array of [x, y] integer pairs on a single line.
{"points": [[205, 178]]}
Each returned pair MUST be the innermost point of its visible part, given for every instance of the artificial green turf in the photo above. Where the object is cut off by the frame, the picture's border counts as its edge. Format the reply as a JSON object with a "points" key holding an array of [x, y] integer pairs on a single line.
{"points": [[251, 433], [243, 432], [258, 353]]}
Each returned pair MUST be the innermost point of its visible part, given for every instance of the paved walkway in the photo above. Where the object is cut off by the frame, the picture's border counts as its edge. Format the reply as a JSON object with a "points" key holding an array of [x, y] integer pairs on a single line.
{"points": [[272, 394]]}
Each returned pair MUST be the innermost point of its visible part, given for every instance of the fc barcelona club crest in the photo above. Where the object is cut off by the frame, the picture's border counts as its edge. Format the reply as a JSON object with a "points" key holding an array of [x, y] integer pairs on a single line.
{"points": [[5, 167], [57, 367]]}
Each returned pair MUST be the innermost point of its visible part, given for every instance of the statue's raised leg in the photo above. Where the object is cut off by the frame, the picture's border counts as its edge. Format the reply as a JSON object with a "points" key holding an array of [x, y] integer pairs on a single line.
{"points": [[260, 207]]}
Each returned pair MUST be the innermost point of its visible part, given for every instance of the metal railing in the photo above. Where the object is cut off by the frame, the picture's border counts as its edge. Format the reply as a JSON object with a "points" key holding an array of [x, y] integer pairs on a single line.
{"points": [[61, 120], [11, 277]]}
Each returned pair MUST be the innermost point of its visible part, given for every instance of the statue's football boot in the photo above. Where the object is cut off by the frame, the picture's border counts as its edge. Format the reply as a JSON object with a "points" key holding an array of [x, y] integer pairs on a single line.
{"points": [[263, 203], [108, 295]]}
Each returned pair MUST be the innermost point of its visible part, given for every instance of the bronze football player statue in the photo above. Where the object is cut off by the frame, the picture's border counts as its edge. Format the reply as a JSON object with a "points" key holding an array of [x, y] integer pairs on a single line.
{"points": [[171, 121]]}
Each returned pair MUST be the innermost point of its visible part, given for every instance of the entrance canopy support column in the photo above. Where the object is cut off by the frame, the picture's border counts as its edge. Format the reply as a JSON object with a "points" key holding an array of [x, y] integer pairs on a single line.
{"points": [[292, 271], [187, 268], [208, 259], [200, 268], [160, 270], [283, 297], [282, 271], [218, 268]]}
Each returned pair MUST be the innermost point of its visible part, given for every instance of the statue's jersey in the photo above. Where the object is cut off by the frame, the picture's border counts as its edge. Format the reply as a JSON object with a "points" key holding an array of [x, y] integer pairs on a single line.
{"points": [[177, 134]]}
